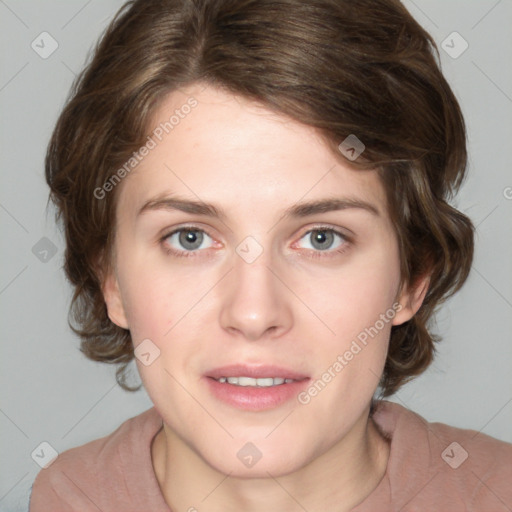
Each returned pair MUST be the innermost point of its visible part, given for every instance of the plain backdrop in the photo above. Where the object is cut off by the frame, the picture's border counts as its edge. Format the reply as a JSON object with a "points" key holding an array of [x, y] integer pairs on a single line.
{"points": [[52, 393]]}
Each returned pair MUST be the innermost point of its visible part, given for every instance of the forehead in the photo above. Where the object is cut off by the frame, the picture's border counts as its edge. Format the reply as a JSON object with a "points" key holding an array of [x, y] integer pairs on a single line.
{"points": [[226, 149]]}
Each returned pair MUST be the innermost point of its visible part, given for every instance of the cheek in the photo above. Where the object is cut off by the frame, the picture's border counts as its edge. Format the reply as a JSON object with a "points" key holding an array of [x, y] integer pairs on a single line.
{"points": [[156, 297], [357, 295], [351, 361]]}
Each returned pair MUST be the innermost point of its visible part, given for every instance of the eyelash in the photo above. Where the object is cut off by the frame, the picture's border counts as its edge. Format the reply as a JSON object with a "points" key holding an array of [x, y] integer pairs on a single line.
{"points": [[314, 254]]}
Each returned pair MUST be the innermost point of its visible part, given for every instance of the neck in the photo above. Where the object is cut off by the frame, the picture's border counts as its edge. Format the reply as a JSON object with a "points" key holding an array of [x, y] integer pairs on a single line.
{"points": [[339, 479]]}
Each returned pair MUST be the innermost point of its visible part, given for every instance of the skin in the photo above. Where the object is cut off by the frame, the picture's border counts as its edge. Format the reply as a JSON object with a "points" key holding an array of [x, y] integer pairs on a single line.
{"points": [[286, 308]]}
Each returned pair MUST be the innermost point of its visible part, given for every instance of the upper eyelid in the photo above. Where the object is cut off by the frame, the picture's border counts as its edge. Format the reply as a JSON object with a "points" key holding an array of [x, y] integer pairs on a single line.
{"points": [[173, 231]]}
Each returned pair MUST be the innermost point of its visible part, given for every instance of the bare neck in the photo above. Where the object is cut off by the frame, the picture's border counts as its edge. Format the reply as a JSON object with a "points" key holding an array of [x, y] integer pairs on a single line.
{"points": [[188, 482]]}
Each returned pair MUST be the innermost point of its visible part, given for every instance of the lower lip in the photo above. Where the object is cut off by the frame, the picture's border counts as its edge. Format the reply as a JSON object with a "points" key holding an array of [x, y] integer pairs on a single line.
{"points": [[252, 398]]}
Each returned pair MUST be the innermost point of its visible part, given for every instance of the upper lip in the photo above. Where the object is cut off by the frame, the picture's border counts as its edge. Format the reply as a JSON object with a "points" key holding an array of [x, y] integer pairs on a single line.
{"points": [[255, 371]]}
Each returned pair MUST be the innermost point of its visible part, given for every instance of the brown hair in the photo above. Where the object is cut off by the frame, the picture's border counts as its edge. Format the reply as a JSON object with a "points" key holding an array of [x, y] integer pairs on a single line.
{"points": [[365, 68]]}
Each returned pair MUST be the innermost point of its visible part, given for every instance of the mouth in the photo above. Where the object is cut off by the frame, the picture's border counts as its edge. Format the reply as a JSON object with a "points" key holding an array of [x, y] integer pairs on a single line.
{"points": [[255, 387]]}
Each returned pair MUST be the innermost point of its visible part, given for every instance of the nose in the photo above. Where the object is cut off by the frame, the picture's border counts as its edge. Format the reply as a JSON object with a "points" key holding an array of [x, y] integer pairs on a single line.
{"points": [[255, 303]]}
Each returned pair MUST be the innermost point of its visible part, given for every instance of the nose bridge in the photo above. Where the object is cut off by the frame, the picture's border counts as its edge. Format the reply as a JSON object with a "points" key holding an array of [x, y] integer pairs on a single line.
{"points": [[255, 302]]}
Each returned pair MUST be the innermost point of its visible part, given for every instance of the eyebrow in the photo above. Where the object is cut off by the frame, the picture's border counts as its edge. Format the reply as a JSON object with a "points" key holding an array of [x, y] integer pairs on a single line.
{"points": [[299, 210]]}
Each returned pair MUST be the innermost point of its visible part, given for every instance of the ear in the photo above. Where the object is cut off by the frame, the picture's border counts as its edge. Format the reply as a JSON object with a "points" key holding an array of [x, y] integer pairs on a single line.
{"points": [[113, 300], [411, 298]]}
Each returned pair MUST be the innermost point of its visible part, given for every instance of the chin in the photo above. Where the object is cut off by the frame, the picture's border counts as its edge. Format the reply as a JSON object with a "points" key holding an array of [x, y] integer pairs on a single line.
{"points": [[246, 460]]}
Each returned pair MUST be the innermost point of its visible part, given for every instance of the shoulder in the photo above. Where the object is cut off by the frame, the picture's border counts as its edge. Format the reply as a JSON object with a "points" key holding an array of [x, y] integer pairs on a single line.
{"points": [[434, 464], [85, 477]]}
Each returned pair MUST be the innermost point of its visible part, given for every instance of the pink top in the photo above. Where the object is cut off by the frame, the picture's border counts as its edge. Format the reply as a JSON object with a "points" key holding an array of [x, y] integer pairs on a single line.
{"points": [[432, 466]]}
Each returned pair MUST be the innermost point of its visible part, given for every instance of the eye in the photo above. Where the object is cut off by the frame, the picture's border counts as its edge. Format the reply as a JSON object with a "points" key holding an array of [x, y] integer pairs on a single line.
{"points": [[183, 240], [187, 241], [324, 239]]}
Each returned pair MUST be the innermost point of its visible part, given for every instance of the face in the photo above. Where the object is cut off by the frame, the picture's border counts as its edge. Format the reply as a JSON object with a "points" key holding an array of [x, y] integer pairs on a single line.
{"points": [[222, 271]]}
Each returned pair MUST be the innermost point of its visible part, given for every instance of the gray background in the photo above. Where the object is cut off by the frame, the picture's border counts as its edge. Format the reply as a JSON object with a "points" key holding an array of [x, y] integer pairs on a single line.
{"points": [[52, 393]]}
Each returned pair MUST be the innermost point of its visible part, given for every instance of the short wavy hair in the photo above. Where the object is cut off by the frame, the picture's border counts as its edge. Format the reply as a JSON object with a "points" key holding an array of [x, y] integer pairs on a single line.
{"points": [[343, 67]]}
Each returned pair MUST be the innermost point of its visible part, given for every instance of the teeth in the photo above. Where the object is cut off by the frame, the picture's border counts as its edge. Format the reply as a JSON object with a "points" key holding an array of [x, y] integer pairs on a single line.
{"points": [[249, 381]]}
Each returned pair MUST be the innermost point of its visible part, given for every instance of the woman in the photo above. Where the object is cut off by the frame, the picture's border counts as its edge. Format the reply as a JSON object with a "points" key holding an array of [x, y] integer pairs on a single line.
{"points": [[255, 201]]}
